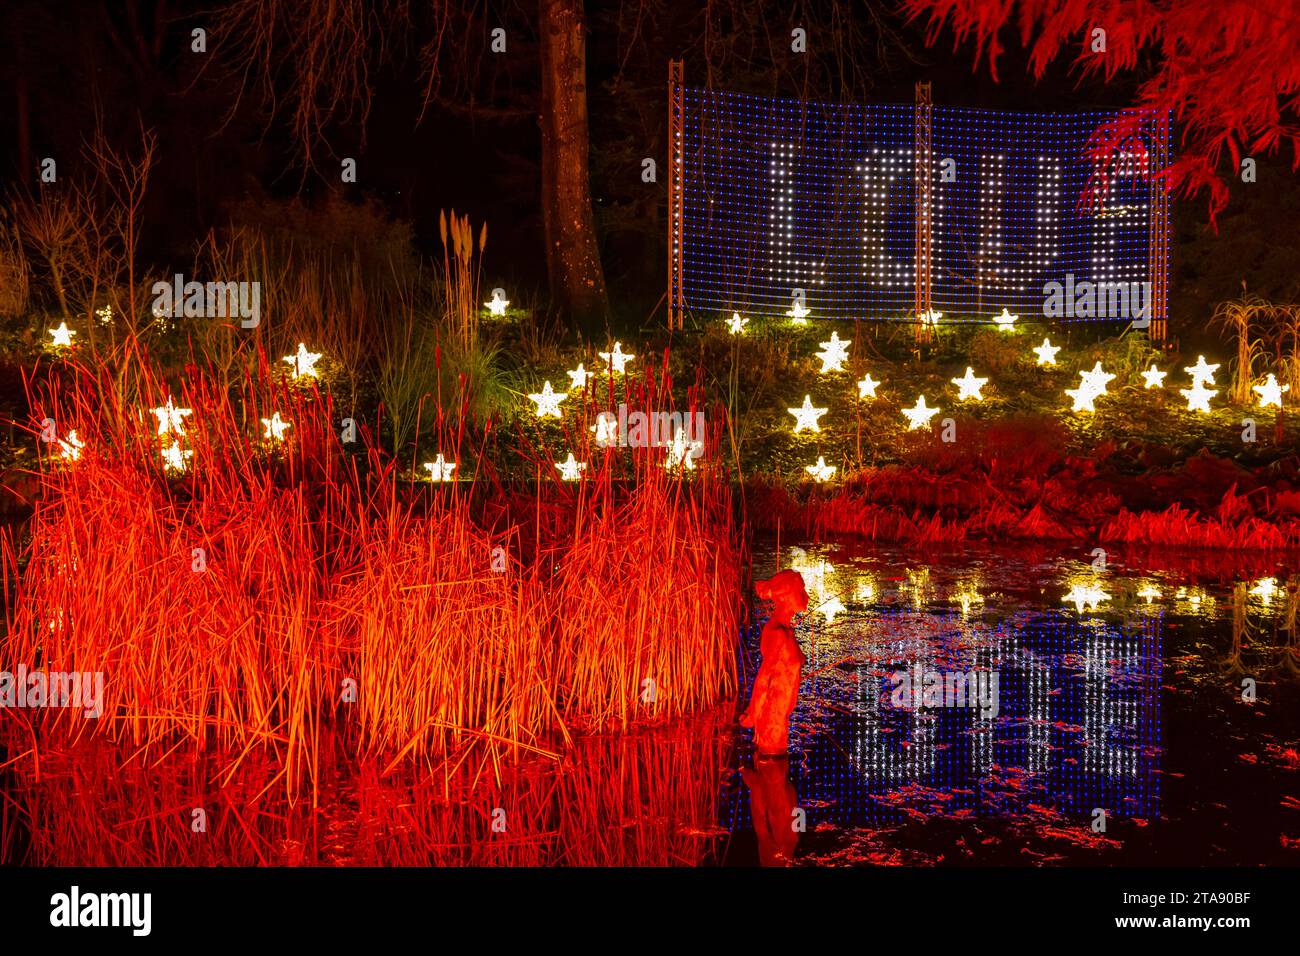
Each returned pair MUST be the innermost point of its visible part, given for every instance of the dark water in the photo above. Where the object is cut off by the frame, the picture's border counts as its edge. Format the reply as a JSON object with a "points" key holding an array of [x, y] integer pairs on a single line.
{"points": [[1119, 699]]}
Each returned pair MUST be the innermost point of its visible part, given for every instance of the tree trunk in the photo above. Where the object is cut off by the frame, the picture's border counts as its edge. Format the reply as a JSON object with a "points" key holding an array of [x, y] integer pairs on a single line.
{"points": [[572, 256]]}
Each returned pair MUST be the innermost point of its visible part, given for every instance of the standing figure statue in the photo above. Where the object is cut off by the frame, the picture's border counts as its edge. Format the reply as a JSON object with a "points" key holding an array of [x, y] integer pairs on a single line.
{"points": [[776, 688]]}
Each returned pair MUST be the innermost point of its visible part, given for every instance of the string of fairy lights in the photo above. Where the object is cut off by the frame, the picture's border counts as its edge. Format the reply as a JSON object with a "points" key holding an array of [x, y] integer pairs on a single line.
{"points": [[780, 195]]}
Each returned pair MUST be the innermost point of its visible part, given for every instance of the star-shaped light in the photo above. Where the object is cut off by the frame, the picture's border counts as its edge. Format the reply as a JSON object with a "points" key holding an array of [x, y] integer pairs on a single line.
{"points": [[681, 453], [969, 386], [571, 470], [834, 353], [175, 457], [62, 336], [617, 359], [1153, 377], [1265, 589], [171, 418], [1198, 397], [275, 426], [303, 362], [1201, 373], [70, 447], [578, 378], [806, 416], [1047, 352], [1006, 322], [821, 471], [867, 387], [1270, 393], [606, 429], [799, 313], [548, 401], [440, 469], [930, 318], [1092, 385], [1089, 594], [736, 325], [918, 416], [497, 304]]}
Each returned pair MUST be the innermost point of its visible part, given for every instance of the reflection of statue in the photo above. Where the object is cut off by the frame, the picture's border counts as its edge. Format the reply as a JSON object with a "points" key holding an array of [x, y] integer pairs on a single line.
{"points": [[771, 806], [776, 688]]}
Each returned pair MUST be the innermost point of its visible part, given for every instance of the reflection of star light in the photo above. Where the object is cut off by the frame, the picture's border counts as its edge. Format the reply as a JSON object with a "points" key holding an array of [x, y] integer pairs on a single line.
{"points": [[62, 335], [1092, 385], [834, 353], [1154, 377], [571, 470], [830, 607], [171, 418], [798, 313], [969, 386], [736, 325], [1201, 373], [1265, 589], [578, 377], [1270, 393], [1198, 397], [275, 427], [867, 387], [1006, 321], [548, 401], [497, 304], [1047, 352], [1149, 591], [821, 471], [303, 362], [967, 596], [806, 416], [1089, 594], [617, 359], [681, 454], [440, 469], [918, 416], [70, 448], [174, 458]]}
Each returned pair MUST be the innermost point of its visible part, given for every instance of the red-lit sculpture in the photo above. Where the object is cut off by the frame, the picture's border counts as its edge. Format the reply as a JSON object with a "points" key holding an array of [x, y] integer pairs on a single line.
{"points": [[777, 686], [772, 808]]}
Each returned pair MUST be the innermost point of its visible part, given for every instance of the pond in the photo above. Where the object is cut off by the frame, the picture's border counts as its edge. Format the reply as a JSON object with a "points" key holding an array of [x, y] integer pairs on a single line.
{"points": [[1119, 709]]}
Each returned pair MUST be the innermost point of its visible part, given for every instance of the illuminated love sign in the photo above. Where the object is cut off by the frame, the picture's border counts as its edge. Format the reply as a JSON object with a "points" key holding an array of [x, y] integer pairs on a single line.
{"points": [[780, 200]]}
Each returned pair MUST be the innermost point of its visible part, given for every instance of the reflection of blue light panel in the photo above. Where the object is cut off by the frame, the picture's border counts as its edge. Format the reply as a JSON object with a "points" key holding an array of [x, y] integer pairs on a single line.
{"points": [[1078, 725], [780, 195]]}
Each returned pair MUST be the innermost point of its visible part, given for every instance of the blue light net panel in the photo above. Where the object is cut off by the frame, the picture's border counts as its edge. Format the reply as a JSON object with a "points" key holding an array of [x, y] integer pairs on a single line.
{"points": [[779, 195]]}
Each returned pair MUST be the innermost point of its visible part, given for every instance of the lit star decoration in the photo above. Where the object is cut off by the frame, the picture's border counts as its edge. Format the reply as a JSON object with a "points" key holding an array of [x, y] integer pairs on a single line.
{"points": [[497, 304], [571, 470], [175, 457], [681, 454], [821, 471], [1154, 377], [867, 387], [1201, 373], [1092, 385], [1270, 393], [930, 318], [1198, 397], [578, 377], [303, 362], [918, 416], [171, 418], [548, 401], [969, 386], [806, 416], [440, 469], [1089, 594], [736, 325], [275, 426], [1006, 322], [62, 336], [617, 359], [70, 448], [1047, 352], [606, 429], [798, 313], [834, 353]]}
